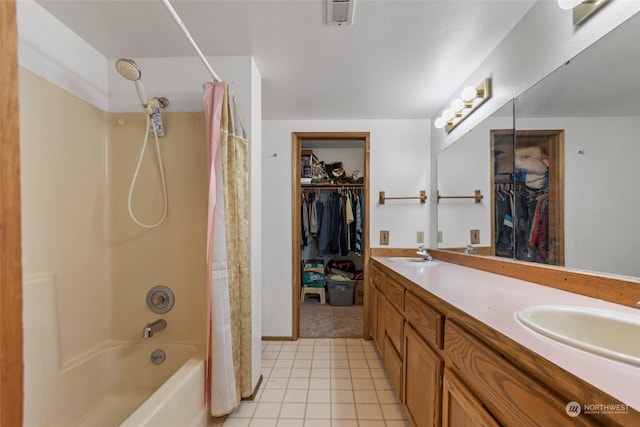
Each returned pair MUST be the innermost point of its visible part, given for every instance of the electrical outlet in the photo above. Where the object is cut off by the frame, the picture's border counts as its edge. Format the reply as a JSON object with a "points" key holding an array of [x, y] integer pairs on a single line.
{"points": [[475, 237], [420, 237], [439, 236], [384, 237]]}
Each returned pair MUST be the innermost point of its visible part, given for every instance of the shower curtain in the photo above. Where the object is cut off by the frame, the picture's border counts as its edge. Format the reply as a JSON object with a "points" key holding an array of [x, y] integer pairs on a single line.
{"points": [[229, 282]]}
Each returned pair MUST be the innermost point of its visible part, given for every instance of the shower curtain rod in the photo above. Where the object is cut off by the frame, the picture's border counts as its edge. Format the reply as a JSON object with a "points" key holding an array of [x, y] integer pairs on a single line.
{"points": [[176, 18]]}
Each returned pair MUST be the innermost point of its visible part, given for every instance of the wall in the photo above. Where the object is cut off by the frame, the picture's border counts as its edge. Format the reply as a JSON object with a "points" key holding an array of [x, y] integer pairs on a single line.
{"points": [[399, 165], [64, 207], [172, 254], [538, 53]]}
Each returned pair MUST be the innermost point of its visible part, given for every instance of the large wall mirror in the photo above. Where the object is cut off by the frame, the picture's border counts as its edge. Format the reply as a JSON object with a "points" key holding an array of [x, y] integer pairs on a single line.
{"points": [[578, 133]]}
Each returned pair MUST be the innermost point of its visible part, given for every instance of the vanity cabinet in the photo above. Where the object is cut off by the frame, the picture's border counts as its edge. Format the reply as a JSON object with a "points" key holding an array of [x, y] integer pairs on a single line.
{"points": [[423, 369], [460, 407], [513, 397], [451, 370], [388, 331]]}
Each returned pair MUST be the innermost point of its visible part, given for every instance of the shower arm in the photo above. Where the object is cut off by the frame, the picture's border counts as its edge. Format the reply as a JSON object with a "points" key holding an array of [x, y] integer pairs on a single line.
{"points": [[184, 29]]}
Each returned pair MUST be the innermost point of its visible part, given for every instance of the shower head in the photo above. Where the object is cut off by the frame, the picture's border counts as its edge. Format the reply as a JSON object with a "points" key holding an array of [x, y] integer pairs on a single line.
{"points": [[130, 71]]}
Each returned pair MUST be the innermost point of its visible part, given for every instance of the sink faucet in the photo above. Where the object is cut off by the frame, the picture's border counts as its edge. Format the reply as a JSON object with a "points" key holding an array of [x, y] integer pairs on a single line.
{"points": [[470, 250], [426, 255], [153, 327]]}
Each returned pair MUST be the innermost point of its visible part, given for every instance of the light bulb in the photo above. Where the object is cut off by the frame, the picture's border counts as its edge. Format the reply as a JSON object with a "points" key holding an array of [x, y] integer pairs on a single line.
{"points": [[568, 4], [439, 123], [468, 93], [448, 114], [457, 105]]}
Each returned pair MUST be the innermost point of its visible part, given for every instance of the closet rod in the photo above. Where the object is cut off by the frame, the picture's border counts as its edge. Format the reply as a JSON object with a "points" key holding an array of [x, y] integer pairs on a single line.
{"points": [[423, 197], [332, 187], [184, 29], [478, 196]]}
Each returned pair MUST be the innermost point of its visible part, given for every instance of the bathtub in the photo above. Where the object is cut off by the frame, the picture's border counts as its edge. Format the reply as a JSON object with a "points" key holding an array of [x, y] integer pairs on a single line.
{"points": [[119, 386]]}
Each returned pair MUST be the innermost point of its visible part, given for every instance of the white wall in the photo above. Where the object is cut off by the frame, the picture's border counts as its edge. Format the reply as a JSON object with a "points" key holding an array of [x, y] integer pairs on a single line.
{"points": [[255, 219], [399, 165], [541, 42]]}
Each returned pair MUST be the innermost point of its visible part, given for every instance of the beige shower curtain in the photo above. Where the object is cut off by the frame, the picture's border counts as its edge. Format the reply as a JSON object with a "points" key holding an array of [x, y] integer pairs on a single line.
{"points": [[229, 285]]}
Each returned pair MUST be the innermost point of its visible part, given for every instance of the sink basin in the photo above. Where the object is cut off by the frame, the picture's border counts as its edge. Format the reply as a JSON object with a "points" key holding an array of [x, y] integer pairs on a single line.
{"points": [[408, 259], [604, 332]]}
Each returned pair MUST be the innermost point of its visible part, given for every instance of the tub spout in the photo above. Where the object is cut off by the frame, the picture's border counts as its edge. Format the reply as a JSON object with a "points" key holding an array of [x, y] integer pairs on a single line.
{"points": [[153, 327]]}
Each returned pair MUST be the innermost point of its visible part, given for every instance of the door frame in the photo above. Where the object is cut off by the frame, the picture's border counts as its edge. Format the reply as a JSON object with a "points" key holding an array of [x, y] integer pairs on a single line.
{"points": [[297, 140], [11, 340]]}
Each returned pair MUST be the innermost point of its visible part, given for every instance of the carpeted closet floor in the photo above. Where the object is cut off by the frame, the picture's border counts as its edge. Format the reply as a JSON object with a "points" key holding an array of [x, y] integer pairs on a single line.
{"points": [[330, 321]]}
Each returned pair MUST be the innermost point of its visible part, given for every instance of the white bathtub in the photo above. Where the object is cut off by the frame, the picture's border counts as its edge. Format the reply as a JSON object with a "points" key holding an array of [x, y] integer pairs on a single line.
{"points": [[120, 386], [114, 384]]}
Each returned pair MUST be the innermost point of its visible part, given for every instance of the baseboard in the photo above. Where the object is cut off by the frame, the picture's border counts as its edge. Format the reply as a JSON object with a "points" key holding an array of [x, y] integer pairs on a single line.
{"points": [[255, 391], [277, 338]]}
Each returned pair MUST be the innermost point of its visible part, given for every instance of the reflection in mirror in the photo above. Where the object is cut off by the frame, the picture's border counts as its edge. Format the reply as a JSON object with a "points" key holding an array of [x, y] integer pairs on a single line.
{"points": [[463, 168], [594, 101]]}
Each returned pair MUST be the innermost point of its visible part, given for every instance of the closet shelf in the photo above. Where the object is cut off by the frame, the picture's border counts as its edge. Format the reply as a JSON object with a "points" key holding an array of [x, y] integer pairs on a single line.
{"points": [[330, 186]]}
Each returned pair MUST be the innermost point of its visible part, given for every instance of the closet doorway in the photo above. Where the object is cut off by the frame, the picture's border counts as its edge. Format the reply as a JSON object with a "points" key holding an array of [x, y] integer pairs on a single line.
{"points": [[528, 195], [331, 148]]}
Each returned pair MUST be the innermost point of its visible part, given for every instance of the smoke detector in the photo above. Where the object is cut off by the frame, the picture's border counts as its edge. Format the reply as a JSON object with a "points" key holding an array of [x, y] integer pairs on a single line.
{"points": [[340, 12]]}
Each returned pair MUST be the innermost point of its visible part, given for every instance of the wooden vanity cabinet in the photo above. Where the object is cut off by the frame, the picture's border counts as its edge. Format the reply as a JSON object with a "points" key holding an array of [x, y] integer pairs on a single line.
{"points": [[460, 407], [377, 302], [449, 370], [422, 374], [513, 397]]}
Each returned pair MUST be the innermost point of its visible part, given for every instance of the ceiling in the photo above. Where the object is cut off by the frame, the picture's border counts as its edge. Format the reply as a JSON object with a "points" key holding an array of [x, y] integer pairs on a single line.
{"points": [[401, 59]]}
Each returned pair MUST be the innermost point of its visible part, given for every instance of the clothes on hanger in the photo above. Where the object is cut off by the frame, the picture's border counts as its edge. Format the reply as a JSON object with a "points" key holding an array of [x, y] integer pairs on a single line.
{"points": [[335, 224]]}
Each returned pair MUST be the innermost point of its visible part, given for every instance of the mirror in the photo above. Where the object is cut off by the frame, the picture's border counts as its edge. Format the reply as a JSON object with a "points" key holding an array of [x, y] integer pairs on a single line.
{"points": [[463, 168], [593, 103]]}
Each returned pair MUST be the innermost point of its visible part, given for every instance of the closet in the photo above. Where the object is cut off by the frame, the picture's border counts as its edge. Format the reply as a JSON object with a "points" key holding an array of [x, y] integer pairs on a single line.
{"points": [[528, 195], [330, 229]]}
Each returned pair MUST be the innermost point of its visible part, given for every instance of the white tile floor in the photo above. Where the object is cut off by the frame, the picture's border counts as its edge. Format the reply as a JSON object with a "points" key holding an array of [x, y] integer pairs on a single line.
{"points": [[321, 383]]}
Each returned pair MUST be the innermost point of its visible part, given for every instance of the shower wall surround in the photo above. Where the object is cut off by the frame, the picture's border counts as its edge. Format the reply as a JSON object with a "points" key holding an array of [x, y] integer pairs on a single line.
{"points": [[82, 254]]}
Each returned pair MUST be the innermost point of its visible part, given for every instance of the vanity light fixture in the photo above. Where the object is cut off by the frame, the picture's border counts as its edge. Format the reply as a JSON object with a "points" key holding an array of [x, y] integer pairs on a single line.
{"points": [[470, 99], [582, 9]]}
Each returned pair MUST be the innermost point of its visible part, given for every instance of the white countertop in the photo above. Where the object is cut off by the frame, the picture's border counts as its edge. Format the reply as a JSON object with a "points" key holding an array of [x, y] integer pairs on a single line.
{"points": [[494, 300]]}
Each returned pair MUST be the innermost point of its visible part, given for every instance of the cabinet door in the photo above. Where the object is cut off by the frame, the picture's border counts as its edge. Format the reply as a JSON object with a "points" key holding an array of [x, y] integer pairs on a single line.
{"points": [[381, 302], [393, 324], [373, 311], [460, 407], [422, 374]]}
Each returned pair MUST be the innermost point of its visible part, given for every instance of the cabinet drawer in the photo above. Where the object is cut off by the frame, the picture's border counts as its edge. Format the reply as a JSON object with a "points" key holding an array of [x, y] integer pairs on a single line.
{"points": [[424, 319], [395, 293], [393, 363], [394, 322], [512, 397]]}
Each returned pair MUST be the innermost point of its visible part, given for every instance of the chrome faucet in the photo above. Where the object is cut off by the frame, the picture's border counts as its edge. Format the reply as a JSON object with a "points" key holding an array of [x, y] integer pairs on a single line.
{"points": [[426, 255], [153, 327], [470, 250]]}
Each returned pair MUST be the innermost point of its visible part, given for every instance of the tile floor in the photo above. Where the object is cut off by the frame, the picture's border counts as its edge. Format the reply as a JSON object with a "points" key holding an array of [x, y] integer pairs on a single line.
{"points": [[332, 382]]}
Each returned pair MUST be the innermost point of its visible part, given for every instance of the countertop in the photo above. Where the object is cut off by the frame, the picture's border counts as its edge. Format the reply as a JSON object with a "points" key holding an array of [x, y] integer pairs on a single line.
{"points": [[494, 300]]}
